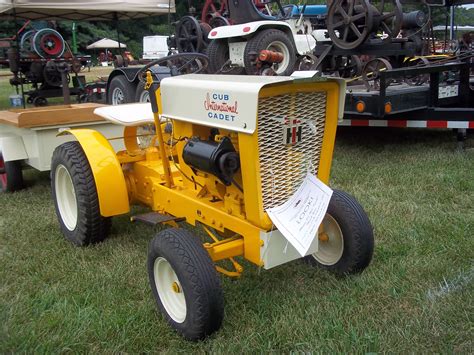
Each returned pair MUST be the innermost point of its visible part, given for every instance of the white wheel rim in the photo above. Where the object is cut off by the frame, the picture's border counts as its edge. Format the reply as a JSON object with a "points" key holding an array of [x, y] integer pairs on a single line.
{"points": [[169, 290], [117, 96], [280, 47], [144, 96], [330, 251], [65, 197]]}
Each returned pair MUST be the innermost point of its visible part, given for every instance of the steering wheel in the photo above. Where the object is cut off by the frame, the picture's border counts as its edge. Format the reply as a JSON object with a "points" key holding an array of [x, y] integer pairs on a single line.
{"points": [[179, 64]]}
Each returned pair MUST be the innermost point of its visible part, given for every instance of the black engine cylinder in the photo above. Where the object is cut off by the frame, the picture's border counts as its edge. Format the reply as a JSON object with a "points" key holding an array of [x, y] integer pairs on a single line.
{"points": [[12, 56], [218, 159], [413, 19]]}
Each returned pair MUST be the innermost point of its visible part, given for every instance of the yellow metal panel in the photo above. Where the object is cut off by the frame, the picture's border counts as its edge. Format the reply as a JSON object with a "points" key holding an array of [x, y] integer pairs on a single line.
{"points": [[108, 175], [329, 136], [250, 168], [185, 203], [221, 251]]}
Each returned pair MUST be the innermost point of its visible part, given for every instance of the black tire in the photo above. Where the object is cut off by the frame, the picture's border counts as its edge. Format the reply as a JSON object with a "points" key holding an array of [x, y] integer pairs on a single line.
{"points": [[218, 53], [11, 175], [195, 276], [357, 235], [86, 225], [40, 101], [120, 91], [270, 39], [141, 95]]}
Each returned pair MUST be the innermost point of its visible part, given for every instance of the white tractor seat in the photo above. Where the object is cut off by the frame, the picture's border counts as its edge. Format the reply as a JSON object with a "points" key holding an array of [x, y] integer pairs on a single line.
{"points": [[127, 114]]}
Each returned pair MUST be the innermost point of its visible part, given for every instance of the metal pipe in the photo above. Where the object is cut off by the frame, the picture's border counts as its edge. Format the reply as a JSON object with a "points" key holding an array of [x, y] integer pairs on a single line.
{"points": [[451, 24], [74, 40], [18, 59]]}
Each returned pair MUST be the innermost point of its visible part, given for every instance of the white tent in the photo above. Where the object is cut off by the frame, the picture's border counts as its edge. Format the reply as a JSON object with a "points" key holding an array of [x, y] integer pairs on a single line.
{"points": [[84, 9], [106, 43], [457, 28]]}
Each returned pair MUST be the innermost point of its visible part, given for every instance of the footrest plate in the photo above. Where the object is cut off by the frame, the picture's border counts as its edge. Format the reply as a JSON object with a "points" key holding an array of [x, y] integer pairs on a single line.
{"points": [[155, 218]]}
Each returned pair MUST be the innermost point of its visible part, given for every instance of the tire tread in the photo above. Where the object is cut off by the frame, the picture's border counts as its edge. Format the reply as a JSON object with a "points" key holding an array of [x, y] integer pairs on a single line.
{"points": [[91, 226], [187, 256], [357, 233]]}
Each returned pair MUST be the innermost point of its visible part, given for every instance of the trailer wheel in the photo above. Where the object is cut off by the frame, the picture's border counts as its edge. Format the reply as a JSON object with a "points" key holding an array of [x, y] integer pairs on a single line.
{"points": [[75, 196], [120, 91], [141, 95], [347, 242], [218, 53], [185, 283], [274, 40], [11, 175]]}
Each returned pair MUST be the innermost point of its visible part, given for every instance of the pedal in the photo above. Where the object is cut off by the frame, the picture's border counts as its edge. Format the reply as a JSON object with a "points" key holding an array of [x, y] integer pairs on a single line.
{"points": [[155, 218]]}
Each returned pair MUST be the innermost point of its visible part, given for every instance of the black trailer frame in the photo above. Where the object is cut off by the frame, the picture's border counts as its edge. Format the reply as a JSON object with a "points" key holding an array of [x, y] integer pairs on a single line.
{"points": [[448, 97]]}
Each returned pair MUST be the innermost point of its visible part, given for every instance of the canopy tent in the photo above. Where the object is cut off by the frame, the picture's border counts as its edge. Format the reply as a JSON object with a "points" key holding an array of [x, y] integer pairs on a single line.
{"points": [[449, 2], [457, 28], [460, 2], [84, 9], [106, 44]]}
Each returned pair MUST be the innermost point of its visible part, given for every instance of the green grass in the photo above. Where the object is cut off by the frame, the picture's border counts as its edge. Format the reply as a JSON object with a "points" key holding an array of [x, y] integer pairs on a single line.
{"points": [[416, 296]]}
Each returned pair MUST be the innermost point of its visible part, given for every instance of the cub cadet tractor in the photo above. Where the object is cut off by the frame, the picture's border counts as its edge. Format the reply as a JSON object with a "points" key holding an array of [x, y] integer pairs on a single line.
{"points": [[217, 158]]}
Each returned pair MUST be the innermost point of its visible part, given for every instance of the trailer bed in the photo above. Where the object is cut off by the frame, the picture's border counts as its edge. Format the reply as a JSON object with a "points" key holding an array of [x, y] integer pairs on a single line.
{"points": [[31, 135], [50, 115]]}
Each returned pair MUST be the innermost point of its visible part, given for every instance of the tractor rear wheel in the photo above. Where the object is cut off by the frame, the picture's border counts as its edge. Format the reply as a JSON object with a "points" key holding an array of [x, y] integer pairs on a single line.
{"points": [[11, 175], [75, 196], [120, 91], [218, 53], [273, 40], [346, 242], [185, 283]]}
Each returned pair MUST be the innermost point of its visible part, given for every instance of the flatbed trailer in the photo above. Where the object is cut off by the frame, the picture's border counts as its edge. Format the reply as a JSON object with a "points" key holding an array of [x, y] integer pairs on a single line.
{"points": [[446, 100], [29, 136]]}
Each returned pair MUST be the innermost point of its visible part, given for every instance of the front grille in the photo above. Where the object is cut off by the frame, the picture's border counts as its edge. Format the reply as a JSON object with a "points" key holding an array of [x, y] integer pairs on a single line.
{"points": [[284, 161]]}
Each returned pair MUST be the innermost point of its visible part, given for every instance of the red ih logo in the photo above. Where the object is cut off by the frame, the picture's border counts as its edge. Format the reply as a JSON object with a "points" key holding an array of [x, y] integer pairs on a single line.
{"points": [[291, 131]]}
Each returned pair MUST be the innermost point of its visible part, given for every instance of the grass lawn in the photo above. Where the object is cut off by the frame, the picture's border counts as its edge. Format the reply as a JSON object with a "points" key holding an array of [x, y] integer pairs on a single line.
{"points": [[416, 296]]}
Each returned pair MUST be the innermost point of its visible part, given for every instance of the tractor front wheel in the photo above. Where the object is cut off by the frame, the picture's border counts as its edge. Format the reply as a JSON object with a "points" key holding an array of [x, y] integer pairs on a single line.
{"points": [[75, 196], [346, 240], [185, 283], [273, 40]]}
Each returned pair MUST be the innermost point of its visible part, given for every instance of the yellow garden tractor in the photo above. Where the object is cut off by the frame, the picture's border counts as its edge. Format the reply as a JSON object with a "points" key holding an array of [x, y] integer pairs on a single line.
{"points": [[216, 153]]}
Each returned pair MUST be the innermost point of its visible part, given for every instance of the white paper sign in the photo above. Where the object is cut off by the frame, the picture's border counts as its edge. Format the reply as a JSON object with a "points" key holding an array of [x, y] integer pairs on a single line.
{"points": [[298, 219]]}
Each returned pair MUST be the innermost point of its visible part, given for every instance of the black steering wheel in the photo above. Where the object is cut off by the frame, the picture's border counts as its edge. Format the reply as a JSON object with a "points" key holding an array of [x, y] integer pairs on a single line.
{"points": [[179, 64]]}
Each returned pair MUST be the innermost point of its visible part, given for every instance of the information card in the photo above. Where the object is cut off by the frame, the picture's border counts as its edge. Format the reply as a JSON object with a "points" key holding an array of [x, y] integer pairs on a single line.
{"points": [[298, 219]]}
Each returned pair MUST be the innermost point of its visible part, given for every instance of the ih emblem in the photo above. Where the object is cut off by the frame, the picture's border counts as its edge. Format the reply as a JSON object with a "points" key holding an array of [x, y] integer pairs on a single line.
{"points": [[291, 131]]}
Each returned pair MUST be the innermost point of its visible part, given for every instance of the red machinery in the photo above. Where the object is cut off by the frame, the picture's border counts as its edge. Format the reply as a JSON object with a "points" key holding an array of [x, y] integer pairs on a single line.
{"points": [[41, 59]]}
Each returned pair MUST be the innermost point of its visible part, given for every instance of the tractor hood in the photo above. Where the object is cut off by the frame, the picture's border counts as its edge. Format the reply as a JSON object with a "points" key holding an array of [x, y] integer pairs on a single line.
{"points": [[223, 101]]}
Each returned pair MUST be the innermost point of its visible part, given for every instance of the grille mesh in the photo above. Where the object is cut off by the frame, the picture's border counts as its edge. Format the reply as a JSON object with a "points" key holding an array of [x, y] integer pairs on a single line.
{"points": [[283, 166]]}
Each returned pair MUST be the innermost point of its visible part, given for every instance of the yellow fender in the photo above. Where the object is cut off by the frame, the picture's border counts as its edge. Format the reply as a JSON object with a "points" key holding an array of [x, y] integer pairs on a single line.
{"points": [[108, 175]]}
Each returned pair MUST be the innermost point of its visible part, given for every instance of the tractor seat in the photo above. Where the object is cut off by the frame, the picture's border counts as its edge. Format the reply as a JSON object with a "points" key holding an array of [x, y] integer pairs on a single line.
{"points": [[127, 114], [243, 11]]}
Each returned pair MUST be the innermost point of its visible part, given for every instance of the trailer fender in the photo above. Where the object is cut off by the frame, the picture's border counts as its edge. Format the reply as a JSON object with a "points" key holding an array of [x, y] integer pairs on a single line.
{"points": [[12, 148], [108, 175], [246, 29]]}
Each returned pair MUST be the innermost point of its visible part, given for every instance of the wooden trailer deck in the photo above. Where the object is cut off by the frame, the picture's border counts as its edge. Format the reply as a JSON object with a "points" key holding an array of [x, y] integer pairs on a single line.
{"points": [[31, 135], [50, 115]]}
